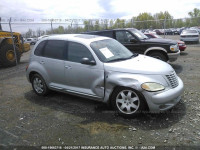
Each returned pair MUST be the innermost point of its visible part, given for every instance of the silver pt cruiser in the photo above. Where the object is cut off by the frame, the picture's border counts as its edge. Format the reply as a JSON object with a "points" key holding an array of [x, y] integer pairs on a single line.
{"points": [[102, 69]]}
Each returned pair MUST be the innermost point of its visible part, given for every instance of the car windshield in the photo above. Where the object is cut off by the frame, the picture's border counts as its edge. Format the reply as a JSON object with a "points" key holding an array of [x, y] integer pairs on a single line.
{"points": [[109, 50], [139, 34], [189, 31]]}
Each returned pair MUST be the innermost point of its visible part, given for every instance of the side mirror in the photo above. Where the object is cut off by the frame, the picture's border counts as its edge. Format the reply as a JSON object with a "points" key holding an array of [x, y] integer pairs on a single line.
{"points": [[133, 40], [86, 61]]}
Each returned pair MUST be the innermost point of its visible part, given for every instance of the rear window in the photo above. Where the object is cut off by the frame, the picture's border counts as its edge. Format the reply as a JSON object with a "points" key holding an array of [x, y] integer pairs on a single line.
{"points": [[39, 48], [55, 49]]}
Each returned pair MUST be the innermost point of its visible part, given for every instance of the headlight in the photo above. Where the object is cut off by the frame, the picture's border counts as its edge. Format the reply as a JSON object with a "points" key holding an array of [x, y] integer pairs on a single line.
{"points": [[174, 47], [152, 87]]}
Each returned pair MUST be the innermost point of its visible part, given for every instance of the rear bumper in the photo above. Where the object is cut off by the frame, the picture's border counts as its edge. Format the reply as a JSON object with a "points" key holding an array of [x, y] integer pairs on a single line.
{"points": [[173, 56]]}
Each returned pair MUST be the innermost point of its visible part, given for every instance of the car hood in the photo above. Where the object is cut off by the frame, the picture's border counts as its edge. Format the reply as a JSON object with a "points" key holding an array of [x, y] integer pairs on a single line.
{"points": [[140, 65], [160, 41]]}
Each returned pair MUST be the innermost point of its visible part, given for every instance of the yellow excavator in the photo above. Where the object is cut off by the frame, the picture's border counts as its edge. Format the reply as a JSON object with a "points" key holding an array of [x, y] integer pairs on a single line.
{"points": [[7, 53]]}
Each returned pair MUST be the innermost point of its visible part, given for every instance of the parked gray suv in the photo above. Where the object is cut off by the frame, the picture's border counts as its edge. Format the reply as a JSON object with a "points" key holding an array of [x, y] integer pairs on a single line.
{"points": [[102, 69]]}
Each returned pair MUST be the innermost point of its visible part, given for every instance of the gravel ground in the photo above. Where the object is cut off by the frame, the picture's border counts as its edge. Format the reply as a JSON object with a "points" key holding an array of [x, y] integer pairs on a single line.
{"points": [[60, 119]]}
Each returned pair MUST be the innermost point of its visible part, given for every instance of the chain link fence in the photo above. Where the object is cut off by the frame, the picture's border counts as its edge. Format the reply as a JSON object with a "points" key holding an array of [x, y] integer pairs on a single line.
{"points": [[34, 28], [38, 27]]}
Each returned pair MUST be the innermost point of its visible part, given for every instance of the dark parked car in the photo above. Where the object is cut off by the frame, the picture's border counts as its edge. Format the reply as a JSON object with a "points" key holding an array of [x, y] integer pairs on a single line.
{"points": [[181, 44], [136, 41], [159, 31], [168, 32]]}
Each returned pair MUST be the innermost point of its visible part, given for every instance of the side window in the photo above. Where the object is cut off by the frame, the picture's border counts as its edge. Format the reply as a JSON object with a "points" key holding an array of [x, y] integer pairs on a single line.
{"points": [[107, 34], [78, 51], [55, 49], [123, 36], [39, 48]]}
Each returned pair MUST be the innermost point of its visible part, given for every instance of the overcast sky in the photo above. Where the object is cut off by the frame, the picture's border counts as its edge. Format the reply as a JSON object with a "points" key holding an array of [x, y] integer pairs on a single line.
{"points": [[88, 9]]}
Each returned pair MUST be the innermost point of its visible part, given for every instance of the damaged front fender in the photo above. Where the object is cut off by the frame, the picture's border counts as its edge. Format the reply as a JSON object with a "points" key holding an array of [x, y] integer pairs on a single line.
{"points": [[114, 79]]}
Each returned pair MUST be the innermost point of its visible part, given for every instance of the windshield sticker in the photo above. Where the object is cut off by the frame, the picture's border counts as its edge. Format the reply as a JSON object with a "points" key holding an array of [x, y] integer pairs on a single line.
{"points": [[106, 52], [138, 35]]}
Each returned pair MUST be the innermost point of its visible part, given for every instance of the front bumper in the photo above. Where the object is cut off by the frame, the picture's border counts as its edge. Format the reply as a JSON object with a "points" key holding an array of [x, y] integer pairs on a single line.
{"points": [[190, 39], [173, 56], [165, 100]]}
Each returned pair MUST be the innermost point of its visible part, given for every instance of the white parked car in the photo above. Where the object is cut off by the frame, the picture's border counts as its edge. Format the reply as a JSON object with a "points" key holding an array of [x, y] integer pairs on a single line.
{"points": [[190, 35], [32, 41]]}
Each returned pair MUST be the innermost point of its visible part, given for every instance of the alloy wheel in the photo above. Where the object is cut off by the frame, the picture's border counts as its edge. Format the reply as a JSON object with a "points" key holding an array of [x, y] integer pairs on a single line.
{"points": [[38, 85], [127, 101]]}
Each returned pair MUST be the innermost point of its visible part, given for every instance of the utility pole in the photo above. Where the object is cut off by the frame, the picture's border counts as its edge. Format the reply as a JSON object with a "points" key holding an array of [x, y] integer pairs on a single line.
{"points": [[13, 41], [0, 25]]}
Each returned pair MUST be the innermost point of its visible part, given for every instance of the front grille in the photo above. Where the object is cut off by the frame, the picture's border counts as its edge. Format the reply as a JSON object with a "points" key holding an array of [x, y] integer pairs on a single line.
{"points": [[172, 78]]}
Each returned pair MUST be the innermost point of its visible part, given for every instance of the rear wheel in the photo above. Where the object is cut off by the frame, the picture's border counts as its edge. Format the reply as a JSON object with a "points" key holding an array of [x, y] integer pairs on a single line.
{"points": [[127, 102], [158, 55], [39, 85], [7, 55]]}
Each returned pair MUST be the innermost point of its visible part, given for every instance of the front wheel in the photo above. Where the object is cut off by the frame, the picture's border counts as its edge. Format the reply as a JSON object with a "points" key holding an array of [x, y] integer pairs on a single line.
{"points": [[39, 85], [158, 55], [127, 102]]}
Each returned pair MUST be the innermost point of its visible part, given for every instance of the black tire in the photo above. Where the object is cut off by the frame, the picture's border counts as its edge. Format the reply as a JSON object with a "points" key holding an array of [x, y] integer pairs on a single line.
{"points": [[7, 55], [132, 105], [39, 86], [158, 55]]}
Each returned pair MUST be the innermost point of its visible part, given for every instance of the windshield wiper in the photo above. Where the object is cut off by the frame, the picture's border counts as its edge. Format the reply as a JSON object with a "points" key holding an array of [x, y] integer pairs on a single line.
{"points": [[120, 59]]}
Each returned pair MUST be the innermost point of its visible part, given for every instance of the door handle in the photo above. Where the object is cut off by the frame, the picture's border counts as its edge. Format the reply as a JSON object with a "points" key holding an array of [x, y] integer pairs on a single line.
{"points": [[42, 62], [68, 67]]}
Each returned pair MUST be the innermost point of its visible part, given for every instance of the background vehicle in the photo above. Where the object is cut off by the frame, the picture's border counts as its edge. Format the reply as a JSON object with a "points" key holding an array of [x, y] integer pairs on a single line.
{"points": [[174, 31], [190, 35], [195, 28], [159, 31], [136, 41], [129, 82], [32, 41], [168, 32], [7, 55], [181, 44]]}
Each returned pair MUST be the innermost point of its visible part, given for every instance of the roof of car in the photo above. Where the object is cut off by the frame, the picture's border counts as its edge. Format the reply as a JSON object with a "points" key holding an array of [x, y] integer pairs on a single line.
{"points": [[109, 30], [76, 37]]}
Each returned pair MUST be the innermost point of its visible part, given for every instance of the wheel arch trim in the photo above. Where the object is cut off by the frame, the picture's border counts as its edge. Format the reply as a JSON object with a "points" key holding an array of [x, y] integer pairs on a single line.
{"points": [[155, 49]]}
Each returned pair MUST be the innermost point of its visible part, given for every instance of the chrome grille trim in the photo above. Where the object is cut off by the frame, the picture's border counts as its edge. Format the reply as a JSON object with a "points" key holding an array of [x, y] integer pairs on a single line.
{"points": [[173, 80]]}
